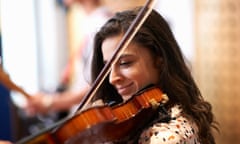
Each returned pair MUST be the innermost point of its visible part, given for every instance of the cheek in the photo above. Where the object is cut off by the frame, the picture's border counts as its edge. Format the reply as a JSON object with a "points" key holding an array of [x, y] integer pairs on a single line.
{"points": [[138, 76], [130, 73], [148, 75]]}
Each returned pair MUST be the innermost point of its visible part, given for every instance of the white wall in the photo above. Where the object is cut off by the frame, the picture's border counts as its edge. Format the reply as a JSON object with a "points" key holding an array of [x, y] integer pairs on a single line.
{"points": [[34, 43], [19, 42], [52, 42], [179, 14]]}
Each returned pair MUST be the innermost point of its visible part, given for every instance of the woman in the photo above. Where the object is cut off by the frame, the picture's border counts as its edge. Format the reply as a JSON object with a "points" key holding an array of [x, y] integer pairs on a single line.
{"points": [[153, 57]]}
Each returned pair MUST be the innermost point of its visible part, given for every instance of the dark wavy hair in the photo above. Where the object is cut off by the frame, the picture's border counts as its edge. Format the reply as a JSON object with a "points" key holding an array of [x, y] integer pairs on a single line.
{"points": [[175, 77]]}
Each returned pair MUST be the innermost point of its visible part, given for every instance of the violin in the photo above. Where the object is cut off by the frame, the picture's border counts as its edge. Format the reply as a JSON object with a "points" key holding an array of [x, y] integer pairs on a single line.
{"points": [[99, 124]]}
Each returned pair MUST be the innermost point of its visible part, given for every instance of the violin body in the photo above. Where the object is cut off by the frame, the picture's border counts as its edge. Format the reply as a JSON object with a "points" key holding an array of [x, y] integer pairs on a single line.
{"points": [[86, 127], [103, 123], [117, 123]]}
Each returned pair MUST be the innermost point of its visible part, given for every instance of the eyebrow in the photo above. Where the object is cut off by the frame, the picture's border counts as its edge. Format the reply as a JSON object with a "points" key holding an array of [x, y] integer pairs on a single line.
{"points": [[122, 56], [125, 55]]}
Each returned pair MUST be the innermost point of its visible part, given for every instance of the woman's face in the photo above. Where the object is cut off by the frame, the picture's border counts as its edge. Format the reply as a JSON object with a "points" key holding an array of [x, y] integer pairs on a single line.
{"points": [[134, 70]]}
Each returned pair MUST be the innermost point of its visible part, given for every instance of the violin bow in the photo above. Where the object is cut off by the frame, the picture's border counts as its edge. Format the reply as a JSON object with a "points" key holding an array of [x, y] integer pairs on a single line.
{"points": [[127, 38]]}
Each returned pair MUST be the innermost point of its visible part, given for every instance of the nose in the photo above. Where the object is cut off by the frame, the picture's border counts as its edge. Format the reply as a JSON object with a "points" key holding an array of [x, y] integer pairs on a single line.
{"points": [[115, 75]]}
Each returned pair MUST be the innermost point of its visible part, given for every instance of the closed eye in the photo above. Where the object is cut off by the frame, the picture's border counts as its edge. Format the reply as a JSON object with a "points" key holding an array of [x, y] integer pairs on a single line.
{"points": [[126, 60], [125, 63]]}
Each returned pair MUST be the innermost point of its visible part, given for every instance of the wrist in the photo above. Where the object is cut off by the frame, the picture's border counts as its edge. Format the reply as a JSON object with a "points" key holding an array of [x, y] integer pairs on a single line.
{"points": [[47, 102]]}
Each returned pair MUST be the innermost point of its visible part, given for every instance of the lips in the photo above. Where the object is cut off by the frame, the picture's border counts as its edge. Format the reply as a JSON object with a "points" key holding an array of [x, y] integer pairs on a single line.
{"points": [[123, 90]]}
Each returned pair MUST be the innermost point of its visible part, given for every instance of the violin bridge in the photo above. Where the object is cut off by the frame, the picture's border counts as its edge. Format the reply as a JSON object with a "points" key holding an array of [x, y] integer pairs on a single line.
{"points": [[154, 103], [164, 98]]}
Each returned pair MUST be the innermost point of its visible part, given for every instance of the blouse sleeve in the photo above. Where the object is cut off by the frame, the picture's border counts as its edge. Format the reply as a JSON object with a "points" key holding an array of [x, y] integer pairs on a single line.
{"points": [[177, 131]]}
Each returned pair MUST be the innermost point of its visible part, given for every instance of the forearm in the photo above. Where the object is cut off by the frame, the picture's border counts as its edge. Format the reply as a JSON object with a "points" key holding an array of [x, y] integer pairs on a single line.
{"points": [[65, 100]]}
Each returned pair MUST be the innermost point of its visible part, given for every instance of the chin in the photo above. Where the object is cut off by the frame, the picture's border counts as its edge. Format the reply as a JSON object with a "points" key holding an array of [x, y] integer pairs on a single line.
{"points": [[125, 98]]}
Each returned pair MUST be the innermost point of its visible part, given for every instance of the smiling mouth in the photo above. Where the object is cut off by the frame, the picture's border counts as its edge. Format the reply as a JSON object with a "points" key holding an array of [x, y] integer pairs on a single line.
{"points": [[124, 90]]}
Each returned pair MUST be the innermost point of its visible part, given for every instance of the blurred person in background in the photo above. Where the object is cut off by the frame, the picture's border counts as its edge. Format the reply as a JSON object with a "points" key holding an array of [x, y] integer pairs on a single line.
{"points": [[75, 77]]}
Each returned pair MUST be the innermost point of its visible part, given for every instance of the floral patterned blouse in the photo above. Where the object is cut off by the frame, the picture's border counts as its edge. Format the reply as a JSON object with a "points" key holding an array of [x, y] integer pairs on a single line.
{"points": [[179, 130]]}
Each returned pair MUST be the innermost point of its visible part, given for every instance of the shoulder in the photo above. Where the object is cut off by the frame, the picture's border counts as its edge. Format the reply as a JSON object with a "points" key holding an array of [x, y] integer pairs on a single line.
{"points": [[178, 130]]}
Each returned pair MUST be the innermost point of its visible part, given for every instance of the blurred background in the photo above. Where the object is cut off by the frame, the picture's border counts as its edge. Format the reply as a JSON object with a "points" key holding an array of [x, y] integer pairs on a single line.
{"points": [[38, 36]]}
